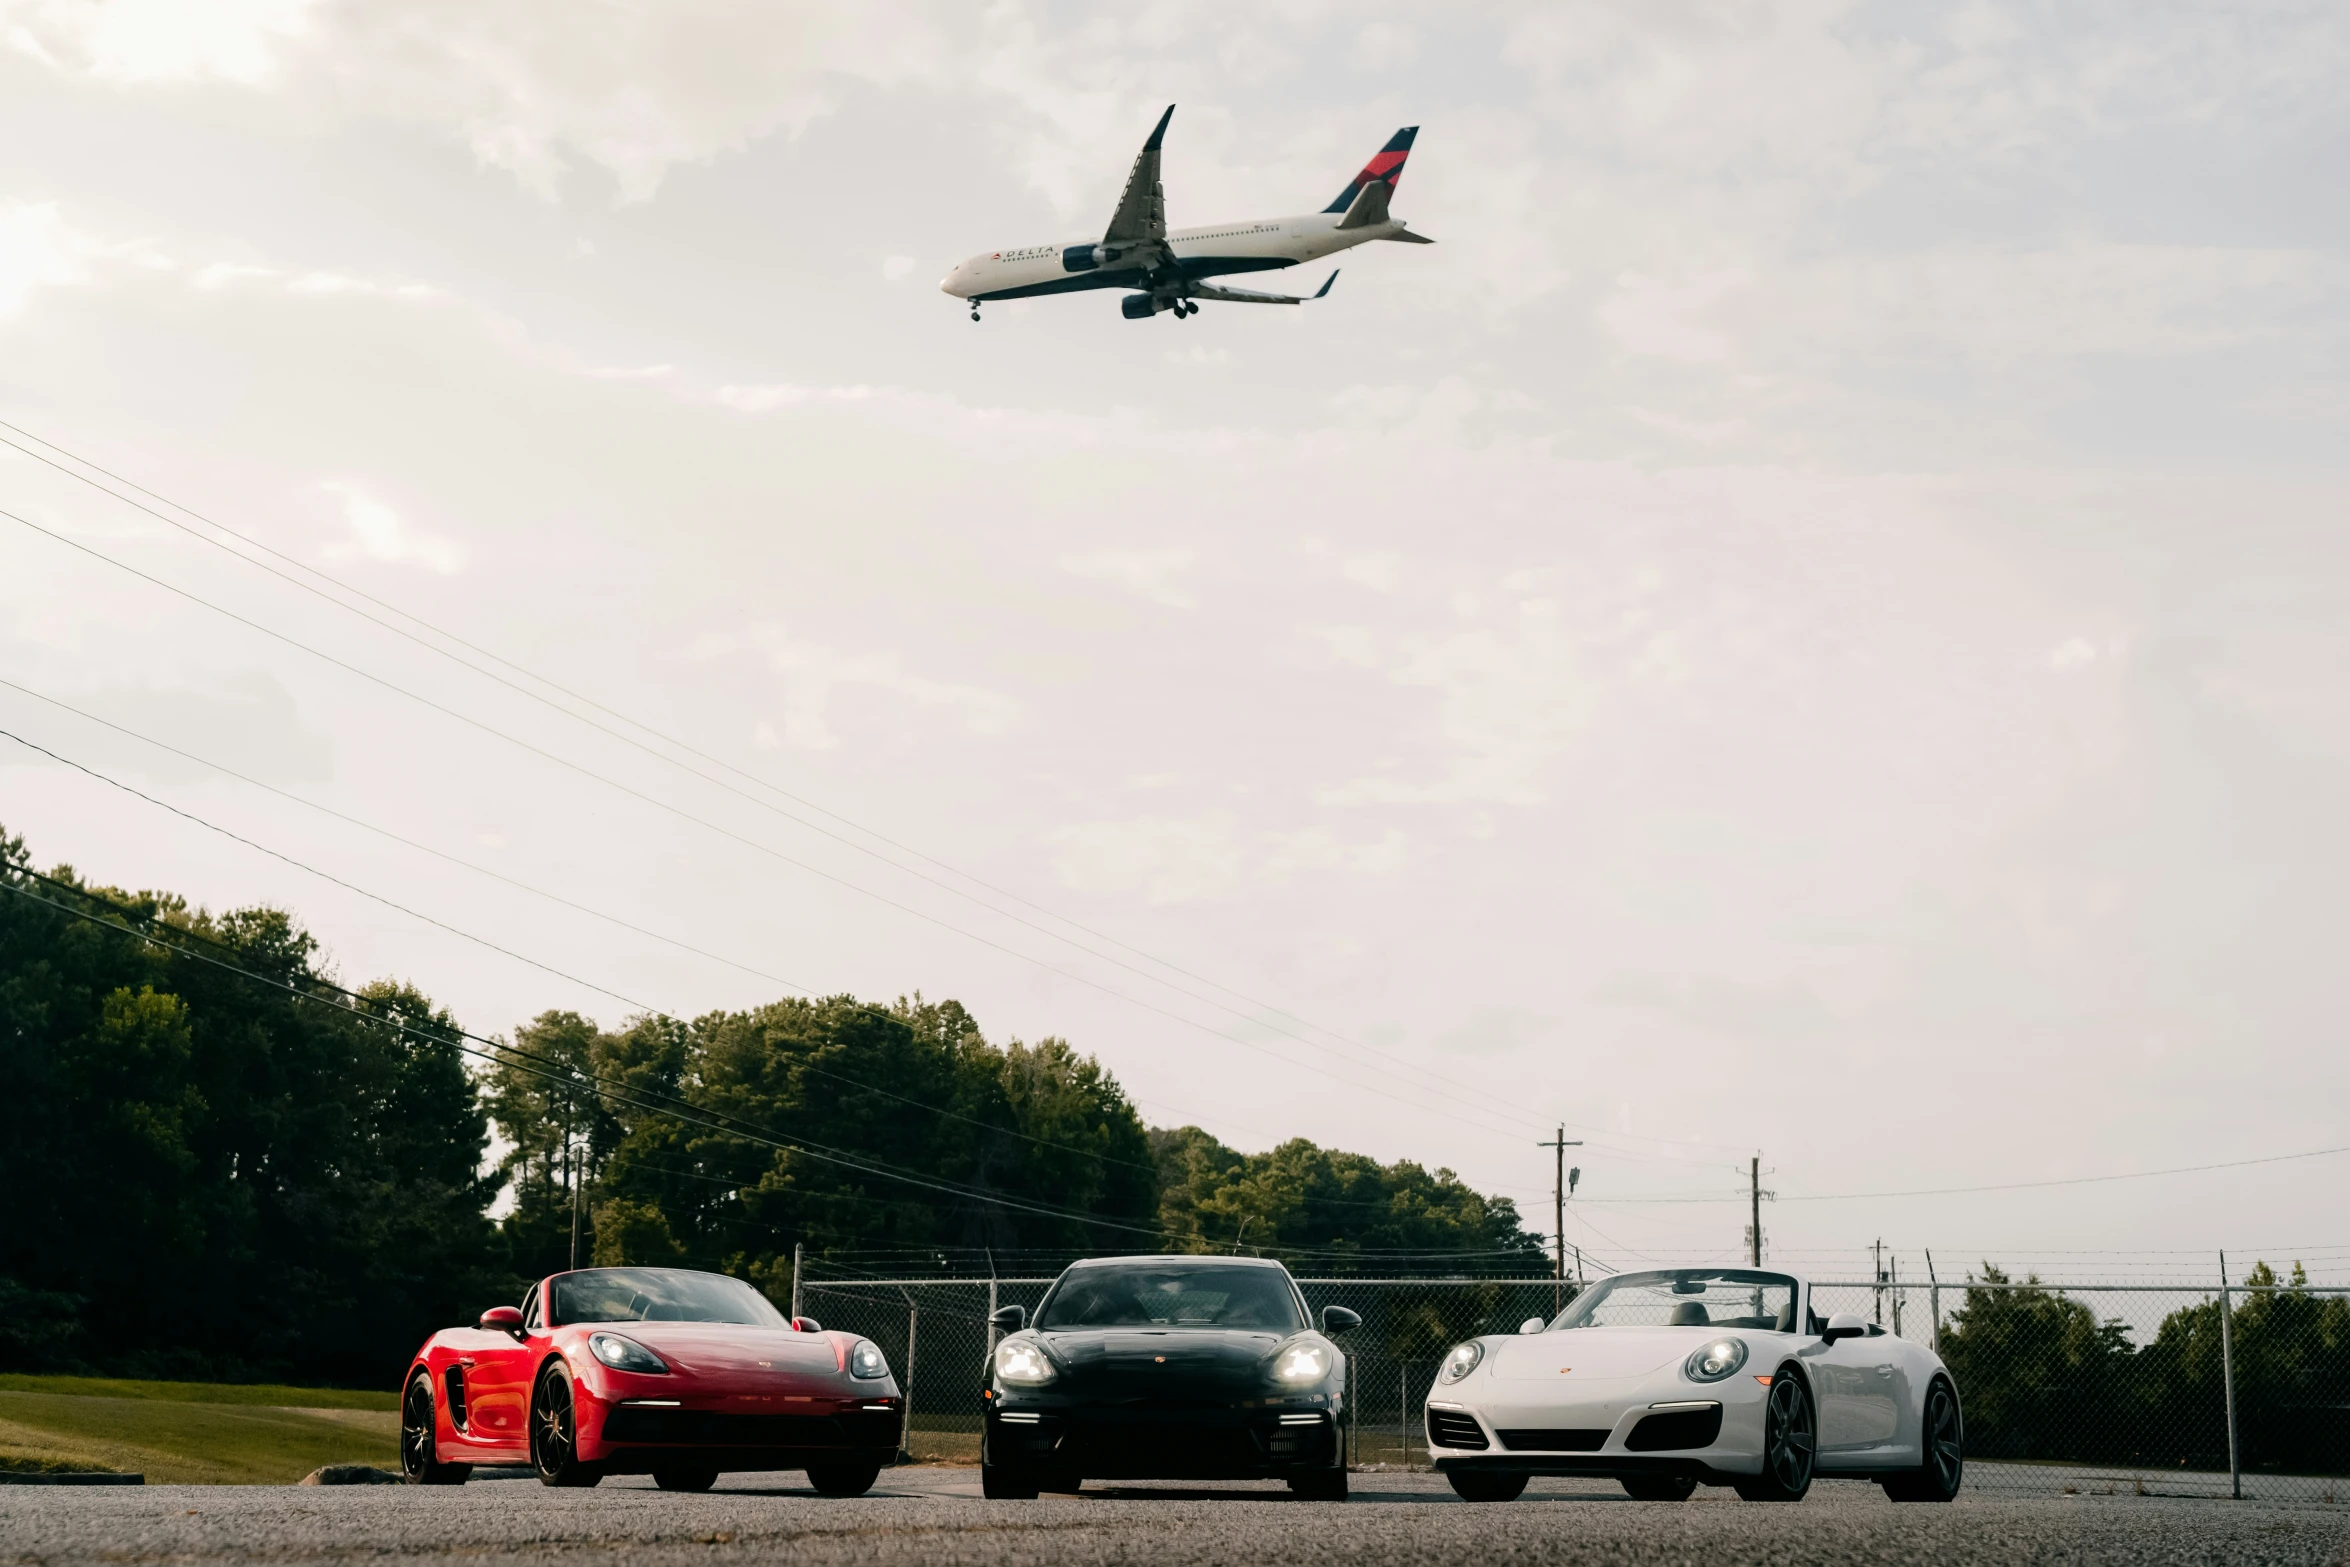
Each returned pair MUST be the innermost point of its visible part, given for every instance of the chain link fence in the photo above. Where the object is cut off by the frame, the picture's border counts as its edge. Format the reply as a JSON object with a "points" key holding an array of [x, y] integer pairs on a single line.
{"points": [[2096, 1389]]}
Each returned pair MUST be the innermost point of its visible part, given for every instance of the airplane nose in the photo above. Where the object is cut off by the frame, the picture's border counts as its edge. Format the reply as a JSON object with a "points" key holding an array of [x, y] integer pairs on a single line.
{"points": [[947, 284]]}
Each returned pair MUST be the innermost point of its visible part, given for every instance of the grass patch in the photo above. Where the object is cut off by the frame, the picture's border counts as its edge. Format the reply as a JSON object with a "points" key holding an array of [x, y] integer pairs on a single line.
{"points": [[268, 1393], [183, 1441]]}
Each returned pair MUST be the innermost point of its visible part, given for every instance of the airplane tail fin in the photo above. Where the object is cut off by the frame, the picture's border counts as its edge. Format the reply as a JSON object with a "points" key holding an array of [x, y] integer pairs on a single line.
{"points": [[1385, 168]]}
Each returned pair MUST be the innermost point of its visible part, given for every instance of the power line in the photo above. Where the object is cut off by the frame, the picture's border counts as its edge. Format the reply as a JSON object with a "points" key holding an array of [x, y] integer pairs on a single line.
{"points": [[642, 1007], [496, 1053], [373, 897], [2076, 1180], [630, 740], [752, 843], [515, 1058]]}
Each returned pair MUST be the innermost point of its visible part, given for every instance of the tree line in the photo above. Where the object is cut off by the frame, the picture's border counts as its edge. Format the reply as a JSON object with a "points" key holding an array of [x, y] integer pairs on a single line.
{"points": [[222, 1164], [2043, 1378]]}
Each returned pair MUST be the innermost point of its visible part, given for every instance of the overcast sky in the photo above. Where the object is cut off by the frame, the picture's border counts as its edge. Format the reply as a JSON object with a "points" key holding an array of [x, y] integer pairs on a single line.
{"points": [[1816, 618]]}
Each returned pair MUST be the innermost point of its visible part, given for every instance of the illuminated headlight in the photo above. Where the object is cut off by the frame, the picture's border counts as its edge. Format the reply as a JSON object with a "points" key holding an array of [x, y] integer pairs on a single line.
{"points": [[1021, 1362], [1302, 1363], [624, 1354], [867, 1360], [1461, 1361], [1717, 1360]]}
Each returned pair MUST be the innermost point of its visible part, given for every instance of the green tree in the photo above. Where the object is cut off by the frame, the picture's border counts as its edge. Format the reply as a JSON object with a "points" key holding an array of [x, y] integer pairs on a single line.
{"points": [[2038, 1374]]}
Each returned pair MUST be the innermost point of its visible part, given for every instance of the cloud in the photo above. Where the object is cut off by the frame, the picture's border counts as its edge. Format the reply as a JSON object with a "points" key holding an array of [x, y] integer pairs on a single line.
{"points": [[33, 252], [140, 41], [632, 86], [377, 533]]}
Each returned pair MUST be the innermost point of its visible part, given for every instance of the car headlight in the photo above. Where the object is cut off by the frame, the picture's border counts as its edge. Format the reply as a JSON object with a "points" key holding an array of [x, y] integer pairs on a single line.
{"points": [[1715, 1361], [1021, 1362], [624, 1354], [1302, 1363], [1461, 1361], [867, 1360]]}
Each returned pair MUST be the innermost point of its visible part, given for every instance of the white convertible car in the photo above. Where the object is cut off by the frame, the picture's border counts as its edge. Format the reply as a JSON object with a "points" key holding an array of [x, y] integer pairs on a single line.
{"points": [[1681, 1376]]}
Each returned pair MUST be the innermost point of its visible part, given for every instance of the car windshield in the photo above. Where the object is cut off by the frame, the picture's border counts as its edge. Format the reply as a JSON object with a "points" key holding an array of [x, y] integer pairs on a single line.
{"points": [[659, 1295], [1162, 1295], [1686, 1298]]}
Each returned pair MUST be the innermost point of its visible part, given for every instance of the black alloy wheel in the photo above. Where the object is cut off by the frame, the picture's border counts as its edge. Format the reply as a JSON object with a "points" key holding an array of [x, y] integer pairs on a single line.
{"points": [[554, 1433], [419, 1443], [999, 1483], [686, 1477], [1659, 1488], [1485, 1485], [1937, 1478], [1319, 1485], [845, 1477], [1790, 1438]]}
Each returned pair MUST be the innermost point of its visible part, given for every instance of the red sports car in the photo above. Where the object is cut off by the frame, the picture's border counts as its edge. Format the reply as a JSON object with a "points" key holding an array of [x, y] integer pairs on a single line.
{"points": [[656, 1371]]}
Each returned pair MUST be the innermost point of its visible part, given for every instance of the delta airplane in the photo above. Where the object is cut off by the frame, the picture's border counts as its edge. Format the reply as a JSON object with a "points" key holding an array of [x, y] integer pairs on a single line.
{"points": [[1169, 271]]}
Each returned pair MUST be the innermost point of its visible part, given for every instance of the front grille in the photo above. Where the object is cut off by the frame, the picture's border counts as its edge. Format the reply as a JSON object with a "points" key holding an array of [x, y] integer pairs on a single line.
{"points": [[714, 1428], [1545, 1439], [1674, 1428], [1451, 1428]]}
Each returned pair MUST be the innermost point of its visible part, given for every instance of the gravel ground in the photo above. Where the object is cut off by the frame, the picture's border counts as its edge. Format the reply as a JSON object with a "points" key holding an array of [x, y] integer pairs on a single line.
{"points": [[937, 1516]]}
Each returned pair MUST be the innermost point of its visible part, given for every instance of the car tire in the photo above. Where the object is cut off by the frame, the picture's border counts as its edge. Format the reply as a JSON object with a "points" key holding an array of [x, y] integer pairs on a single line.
{"points": [[420, 1439], [1937, 1478], [554, 1432], [686, 1477], [850, 1477], [1790, 1443], [1659, 1488], [1319, 1485], [999, 1484], [1481, 1485]]}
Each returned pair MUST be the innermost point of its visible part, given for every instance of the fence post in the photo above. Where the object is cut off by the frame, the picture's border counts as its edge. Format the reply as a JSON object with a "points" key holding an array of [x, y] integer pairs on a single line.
{"points": [[796, 1248], [1934, 1299], [1403, 1407], [2227, 1367], [1347, 1442], [913, 1326]]}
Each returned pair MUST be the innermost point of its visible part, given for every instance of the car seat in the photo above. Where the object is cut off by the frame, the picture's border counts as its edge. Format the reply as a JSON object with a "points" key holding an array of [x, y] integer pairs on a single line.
{"points": [[1688, 1314]]}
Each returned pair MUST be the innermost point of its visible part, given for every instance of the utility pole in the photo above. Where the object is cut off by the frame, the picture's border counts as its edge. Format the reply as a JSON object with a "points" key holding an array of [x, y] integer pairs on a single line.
{"points": [[1558, 1293], [1754, 1210], [1877, 1266], [573, 1174]]}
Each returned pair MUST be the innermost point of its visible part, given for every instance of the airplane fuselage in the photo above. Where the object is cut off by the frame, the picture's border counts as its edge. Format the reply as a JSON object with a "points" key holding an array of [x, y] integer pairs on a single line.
{"points": [[1217, 250]]}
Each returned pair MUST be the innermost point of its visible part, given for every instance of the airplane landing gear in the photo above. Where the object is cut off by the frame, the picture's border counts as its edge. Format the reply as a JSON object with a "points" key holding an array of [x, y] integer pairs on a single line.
{"points": [[974, 312]]}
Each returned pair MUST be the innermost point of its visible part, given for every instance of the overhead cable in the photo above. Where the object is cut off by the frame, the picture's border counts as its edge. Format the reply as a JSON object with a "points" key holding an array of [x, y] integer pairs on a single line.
{"points": [[652, 751]]}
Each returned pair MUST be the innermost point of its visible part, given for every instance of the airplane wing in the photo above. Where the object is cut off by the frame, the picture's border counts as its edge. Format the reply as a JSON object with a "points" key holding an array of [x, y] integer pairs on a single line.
{"points": [[1250, 296], [1140, 223]]}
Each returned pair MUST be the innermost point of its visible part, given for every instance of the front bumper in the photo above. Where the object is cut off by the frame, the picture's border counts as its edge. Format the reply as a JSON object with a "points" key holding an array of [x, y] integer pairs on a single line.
{"points": [[635, 1437], [1134, 1441], [1711, 1438]]}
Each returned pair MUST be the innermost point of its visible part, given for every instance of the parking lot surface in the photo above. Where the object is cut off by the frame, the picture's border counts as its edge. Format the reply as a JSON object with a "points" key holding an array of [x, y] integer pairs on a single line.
{"points": [[937, 1516]]}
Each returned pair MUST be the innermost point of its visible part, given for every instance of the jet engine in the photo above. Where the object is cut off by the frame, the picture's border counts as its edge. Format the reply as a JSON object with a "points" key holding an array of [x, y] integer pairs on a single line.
{"points": [[1141, 307]]}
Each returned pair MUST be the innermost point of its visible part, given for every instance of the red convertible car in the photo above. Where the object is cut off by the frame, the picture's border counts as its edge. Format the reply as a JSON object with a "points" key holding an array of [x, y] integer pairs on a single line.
{"points": [[657, 1371]]}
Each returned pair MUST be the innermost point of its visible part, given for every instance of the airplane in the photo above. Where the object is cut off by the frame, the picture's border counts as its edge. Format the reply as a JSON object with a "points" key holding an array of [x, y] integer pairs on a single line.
{"points": [[1168, 270]]}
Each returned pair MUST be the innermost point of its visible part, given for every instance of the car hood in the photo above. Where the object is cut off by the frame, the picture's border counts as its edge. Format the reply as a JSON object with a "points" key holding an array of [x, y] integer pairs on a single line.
{"points": [[1171, 1362], [1580, 1353], [729, 1349]]}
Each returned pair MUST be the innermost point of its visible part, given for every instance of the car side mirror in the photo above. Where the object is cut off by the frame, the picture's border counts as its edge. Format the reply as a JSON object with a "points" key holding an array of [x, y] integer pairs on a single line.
{"points": [[501, 1319], [806, 1325], [1532, 1325], [1337, 1319], [1845, 1324], [1008, 1319]]}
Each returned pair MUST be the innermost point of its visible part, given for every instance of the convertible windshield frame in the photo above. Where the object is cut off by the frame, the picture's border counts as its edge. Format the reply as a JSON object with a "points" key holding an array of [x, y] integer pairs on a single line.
{"points": [[1585, 1305], [1264, 1300], [657, 1295]]}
